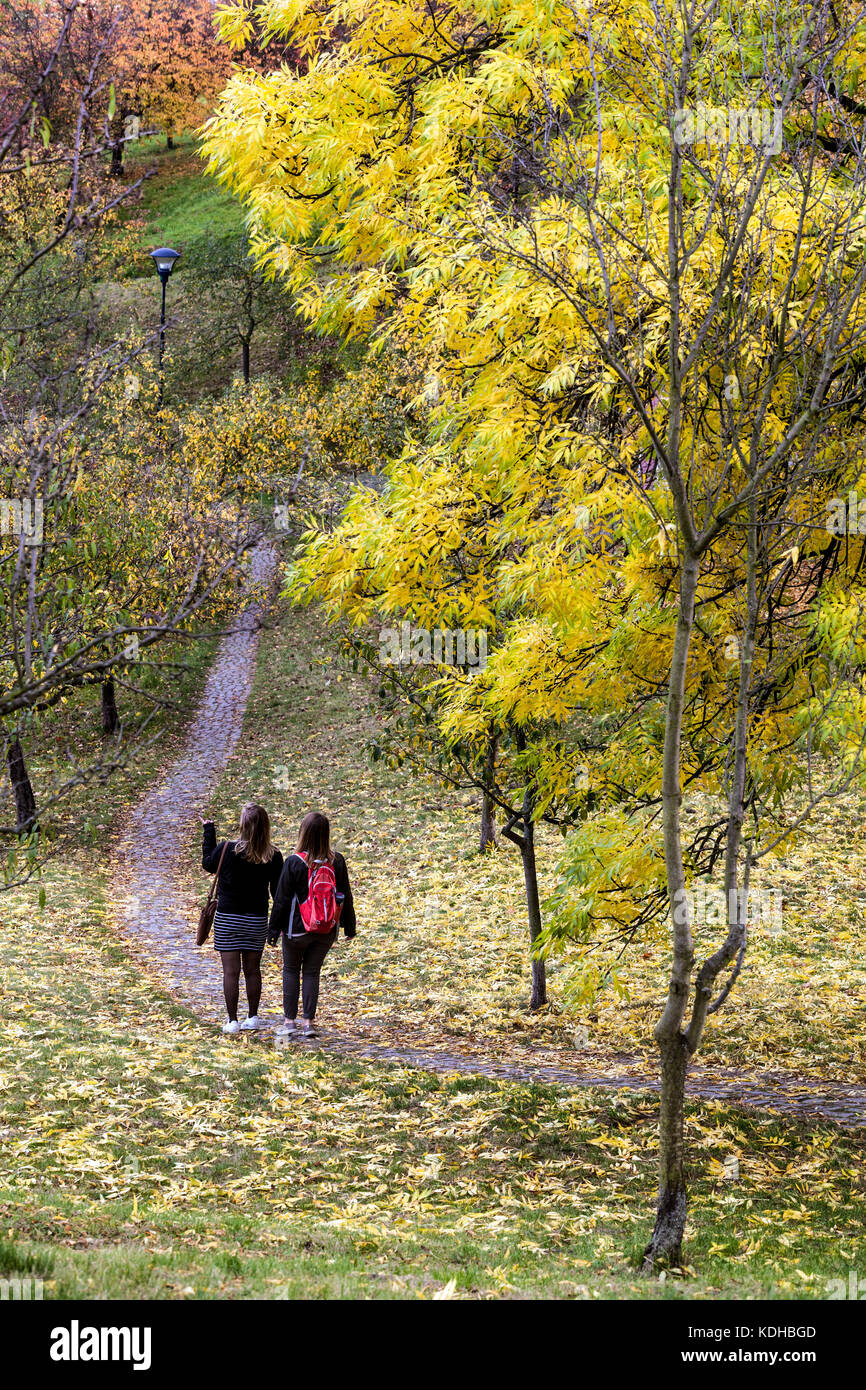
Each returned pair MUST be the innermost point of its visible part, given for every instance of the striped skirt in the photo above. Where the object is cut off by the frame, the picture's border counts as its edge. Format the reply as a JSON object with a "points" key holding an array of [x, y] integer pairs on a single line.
{"points": [[233, 932]]}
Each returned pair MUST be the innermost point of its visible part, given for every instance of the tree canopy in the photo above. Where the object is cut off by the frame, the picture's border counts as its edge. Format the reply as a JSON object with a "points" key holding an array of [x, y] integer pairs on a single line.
{"points": [[629, 247]]}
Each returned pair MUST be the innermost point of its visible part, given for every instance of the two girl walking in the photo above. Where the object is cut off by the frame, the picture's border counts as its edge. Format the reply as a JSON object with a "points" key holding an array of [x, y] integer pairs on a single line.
{"points": [[312, 899]]}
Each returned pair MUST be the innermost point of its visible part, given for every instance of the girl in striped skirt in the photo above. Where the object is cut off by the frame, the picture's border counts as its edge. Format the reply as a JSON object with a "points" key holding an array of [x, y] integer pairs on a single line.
{"points": [[251, 867]]}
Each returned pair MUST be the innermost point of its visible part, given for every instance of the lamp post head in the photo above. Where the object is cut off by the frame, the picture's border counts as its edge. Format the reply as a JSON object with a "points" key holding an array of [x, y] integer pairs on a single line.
{"points": [[164, 258]]}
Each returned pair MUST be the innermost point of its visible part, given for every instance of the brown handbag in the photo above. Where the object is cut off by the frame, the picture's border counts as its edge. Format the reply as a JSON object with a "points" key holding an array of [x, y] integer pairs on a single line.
{"points": [[208, 912]]}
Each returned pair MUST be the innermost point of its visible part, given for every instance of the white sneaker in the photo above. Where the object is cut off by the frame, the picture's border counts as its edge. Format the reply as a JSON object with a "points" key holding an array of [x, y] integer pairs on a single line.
{"points": [[232, 1027], [251, 1024], [287, 1028], [309, 1030]]}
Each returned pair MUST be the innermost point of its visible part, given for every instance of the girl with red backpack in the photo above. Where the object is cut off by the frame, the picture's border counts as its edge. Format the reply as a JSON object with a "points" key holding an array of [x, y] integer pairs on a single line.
{"points": [[313, 900]]}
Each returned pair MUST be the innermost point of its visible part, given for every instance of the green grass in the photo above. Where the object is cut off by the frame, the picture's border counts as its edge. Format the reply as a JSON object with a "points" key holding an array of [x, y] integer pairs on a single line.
{"points": [[180, 202], [177, 205], [146, 1156]]}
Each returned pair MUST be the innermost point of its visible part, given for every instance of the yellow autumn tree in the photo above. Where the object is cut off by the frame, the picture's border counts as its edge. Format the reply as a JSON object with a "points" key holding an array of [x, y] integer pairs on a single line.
{"points": [[629, 247]]}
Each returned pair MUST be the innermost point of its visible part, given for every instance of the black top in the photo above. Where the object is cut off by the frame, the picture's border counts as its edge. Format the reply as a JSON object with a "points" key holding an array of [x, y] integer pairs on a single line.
{"points": [[292, 889], [243, 887]]}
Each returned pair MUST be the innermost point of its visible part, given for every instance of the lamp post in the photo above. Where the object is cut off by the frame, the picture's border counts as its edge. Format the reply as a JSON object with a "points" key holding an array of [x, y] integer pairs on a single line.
{"points": [[164, 258]]}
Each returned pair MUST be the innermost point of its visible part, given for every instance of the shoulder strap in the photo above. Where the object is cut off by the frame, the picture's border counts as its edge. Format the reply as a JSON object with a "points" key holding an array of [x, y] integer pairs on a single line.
{"points": [[213, 888]]}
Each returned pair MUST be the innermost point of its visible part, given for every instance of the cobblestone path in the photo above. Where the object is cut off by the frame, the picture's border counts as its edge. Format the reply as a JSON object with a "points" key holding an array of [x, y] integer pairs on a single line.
{"points": [[157, 917]]}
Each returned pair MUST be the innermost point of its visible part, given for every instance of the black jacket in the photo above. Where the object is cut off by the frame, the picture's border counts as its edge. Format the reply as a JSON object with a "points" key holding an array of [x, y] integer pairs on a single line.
{"points": [[243, 887], [292, 890]]}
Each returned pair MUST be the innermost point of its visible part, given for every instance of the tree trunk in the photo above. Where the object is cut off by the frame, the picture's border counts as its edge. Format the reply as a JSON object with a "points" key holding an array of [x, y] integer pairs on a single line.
{"points": [[488, 823], [116, 170], [525, 842], [110, 718], [665, 1246], [169, 141], [538, 997], [25, 801], [675, 1046], [245, 358], [666, 1242]]}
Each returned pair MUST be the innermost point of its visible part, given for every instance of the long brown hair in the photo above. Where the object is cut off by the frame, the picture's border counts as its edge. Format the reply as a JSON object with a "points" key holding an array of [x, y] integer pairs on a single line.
{"points": [[314, 837], [254, 841]]}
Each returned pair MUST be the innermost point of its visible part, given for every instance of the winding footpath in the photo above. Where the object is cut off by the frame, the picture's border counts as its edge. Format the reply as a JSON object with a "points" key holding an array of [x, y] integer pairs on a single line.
{"points": [[155, 915], [157, 919]]}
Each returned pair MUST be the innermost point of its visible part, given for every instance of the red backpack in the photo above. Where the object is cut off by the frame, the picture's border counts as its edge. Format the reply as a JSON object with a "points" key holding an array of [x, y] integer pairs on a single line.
{"points": [[320, 912]]}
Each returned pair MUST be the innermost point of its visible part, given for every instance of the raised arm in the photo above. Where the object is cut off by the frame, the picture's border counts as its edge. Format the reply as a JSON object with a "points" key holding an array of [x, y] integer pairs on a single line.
{"points": [[210, 850]]}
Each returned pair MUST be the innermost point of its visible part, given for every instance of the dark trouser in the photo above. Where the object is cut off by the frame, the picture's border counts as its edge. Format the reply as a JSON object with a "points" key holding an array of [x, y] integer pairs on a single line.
{"points": [[308, 951]]}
